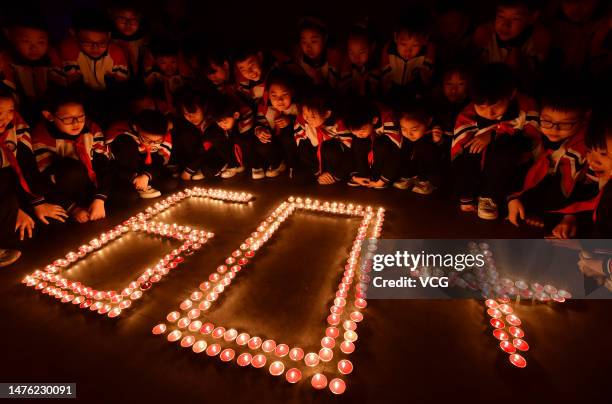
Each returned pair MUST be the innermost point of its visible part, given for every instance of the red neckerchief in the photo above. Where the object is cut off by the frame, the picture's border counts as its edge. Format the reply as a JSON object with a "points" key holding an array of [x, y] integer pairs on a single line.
{"points": [[81, 150], [12, 160]]}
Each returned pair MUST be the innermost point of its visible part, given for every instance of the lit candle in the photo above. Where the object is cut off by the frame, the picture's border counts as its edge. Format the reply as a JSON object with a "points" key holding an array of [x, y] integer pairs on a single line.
{"points": [[500, 334], [258, 361], [520, 344], [218, 332], [230, 334], [268, 345], [507, 347], [207, 328], [311, 359], [276, 368], [244, 359], [213, 349], [505, 308], [337, 386], [495, 313], [195, 326], [293, 375], [326, 354], [513, 319], [318, 381], [296, 354], [242, 339], [187, 341], [516, 332], [347, 347], [518, 361], [332, 332], [497, 323], [345, 366], [350, 336], [356, 316], [328, 342], [281, 350], [199, 346], [174, 336], [227, 355], [254, 343]]}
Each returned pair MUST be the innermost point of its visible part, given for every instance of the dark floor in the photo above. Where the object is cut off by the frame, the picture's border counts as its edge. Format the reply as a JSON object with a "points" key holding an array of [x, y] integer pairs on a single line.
{"points": [[408, 350]]}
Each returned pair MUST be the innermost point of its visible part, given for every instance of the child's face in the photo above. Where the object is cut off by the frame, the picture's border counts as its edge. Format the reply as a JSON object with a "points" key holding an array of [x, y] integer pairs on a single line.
{"points": [[69, 118], [579, 10], [600, 161], [280, 97], [358, 51], [409, 45], [311, 43], [412, 130], [92, 43], [314, 118], [31, 43], [451, 25], [250, 68], [220, 74], [196, 117], [493, 112], [559, 125], [510, 22], [227, 123], [127, 22], [151, 140], [168, 65], [364, 131], [7, 112], [455, 87]]}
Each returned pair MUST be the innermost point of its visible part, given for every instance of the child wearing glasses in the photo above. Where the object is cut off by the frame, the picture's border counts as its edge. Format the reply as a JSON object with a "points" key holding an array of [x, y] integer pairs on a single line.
{"points": [[129, 34], [558, 177], [141, 156], [88, 56], [71, 153]]}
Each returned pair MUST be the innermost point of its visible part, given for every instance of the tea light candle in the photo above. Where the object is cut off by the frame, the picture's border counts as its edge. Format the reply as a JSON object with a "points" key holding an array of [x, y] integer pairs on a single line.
{"points": [[500, 334], [491, 304], [507, 347], [254, 343], [206, 328], [516, 332], [328, 342], [506, 309], [496, 323], [174, 336], [296, 354], [195, 326], [517, 360], [347, 347], [345, 366], [293, 375], [356, 316], [242, 339], [258, 361], [187, 341], [318, 381], [244, 359], [281, 350], [227, 355], [332, 332], [326, 354], [520, 344], [350, 336], [513, 319], [337, 386], [311, 359], [218, 332], [495, 313], [213, 349], [230, 334], [199, 346], [268, 345], [276, 368]]}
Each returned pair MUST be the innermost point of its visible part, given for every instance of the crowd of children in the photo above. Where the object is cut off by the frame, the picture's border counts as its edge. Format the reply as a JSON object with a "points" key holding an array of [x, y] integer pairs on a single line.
{"points": [[503, 117]]}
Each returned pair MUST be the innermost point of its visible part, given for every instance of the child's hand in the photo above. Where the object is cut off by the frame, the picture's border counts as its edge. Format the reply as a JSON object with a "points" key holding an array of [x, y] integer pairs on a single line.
{"points": [[141, 182], [80, 215], [282, 122], [48, 210], [326, 179], [361, 181], [185, 176], [263, 135], [566, 228], [24, 224], [516, 210], [479, 143], [96, 210], [437, 134]]}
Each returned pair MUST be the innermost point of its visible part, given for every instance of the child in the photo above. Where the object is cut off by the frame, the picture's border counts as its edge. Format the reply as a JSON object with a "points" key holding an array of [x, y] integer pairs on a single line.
{"points": [[321, 64], [558, 176], [495, 136], [514, 38], [274, 128], [323, 143], [20, 184], [252, 69], [364, 76], [34, 64], [142, 153], [227, 142], [453, 98], [165, 71], [452, 32], [373, 131], [128, 33], [218, 70], [407, 62], [188, 134], [89, 55], [71, 153]]}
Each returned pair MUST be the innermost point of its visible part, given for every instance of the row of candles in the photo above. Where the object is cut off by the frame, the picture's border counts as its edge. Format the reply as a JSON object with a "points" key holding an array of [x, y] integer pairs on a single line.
{"points": [[189, 330]]}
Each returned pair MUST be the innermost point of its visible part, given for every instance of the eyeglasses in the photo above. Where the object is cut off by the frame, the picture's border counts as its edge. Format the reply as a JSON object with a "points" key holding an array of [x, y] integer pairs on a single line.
{"points": [[150, 142], [563, 126], [70, 120], [92, 45]]}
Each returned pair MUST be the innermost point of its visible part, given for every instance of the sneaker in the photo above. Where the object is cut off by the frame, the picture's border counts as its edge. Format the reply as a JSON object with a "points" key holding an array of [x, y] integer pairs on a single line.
{"points": [[423, 187], [275, 172], [8, 257], [197, 176], [229, 172], [467, 204], [258, 173], [487, 209], [352, 183], [404, 183], [149, 193], [239, 169]]}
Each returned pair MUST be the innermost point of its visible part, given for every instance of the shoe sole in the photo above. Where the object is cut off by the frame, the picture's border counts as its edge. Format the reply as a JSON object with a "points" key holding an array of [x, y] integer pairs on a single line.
{"points": [[423, 191], [11, 261], [258, 177], [402, 187], [486, 216], [150, 196]]}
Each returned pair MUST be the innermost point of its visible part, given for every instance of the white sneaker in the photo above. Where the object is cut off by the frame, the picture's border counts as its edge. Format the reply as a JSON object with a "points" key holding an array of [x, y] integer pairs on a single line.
{"points": [[487, 209], [149, 193], [423, 188], [8, 257], [229, 172], [275, 172], [197, 176], [405, 183], [239, 169], [258, 173]]}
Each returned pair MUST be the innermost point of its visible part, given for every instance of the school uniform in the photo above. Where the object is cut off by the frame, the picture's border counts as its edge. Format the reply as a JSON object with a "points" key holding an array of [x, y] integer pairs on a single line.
{"points": [[330, 70], [282, 145], [405, 76], [134, 47], [77, 168], [164, 87], [363, 81], [498, 170], [324, 149]]}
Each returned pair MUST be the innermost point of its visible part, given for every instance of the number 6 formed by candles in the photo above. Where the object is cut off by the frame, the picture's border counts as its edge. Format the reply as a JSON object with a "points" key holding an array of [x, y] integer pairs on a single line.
{"points": [[189, 328], [111, 303]]}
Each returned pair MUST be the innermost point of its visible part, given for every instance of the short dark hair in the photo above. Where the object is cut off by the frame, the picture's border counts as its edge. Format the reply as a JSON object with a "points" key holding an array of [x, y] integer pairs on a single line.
{"points": [[91, 20], [318, 99], [28, 20], [360, 111], [151, 121], [492, 83], [190, 100], [222, 106], [312, 23], [6, 93], [212, 57], [62, 96], [570, 96], [531, 5], [600, 130], [164, 47], [415, 22], [460, 69], [245, 51], [414, 111], [282, 79]]}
